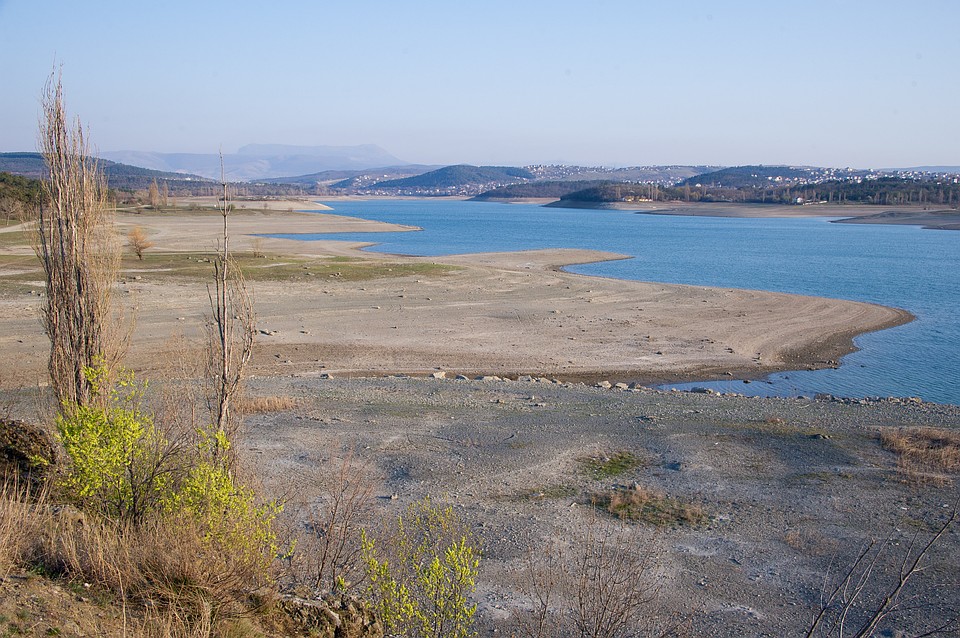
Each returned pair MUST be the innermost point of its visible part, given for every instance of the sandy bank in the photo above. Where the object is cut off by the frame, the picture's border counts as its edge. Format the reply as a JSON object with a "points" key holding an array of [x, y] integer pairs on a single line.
{"points": [[503, 314]]}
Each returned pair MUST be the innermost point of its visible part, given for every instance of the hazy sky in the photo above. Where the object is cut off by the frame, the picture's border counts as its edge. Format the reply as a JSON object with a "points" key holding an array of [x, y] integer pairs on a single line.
{"points": [[616, 82]]}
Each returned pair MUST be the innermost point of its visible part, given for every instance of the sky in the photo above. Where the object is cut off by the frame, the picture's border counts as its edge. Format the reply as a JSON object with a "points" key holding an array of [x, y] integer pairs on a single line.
{"points": [[867, 84]]}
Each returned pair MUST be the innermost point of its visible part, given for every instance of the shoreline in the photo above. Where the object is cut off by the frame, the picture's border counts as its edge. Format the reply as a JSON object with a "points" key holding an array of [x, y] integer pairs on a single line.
{"points": [[488, 314]]}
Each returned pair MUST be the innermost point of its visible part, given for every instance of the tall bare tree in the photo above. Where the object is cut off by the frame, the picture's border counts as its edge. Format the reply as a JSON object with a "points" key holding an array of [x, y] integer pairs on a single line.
{"points": [[79, 252], [230, 331]]}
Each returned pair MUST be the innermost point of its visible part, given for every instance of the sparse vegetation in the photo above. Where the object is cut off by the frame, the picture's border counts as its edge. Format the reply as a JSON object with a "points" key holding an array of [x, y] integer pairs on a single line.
{"points": [[558, 490], [421, 574], [606, 585], [259, 405], [609, 466], [639, 504], [924, 454]]}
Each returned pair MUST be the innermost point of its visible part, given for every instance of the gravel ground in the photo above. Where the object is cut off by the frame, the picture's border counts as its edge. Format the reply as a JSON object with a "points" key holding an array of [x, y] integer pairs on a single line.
{"points": [[791, 488]]}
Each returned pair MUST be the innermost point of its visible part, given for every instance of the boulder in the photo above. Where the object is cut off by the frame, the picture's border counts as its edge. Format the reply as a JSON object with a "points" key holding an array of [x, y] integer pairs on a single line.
{"points": [[27, 452]]}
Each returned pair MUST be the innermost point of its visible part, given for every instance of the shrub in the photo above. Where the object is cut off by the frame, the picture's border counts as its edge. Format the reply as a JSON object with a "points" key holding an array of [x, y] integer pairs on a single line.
{"points": [[226, 511], [421, 588], [120, 463]]}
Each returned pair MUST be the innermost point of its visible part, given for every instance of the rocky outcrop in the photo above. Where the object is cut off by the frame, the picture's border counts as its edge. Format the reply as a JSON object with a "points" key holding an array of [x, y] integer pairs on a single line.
{"points": [[334, 616]]}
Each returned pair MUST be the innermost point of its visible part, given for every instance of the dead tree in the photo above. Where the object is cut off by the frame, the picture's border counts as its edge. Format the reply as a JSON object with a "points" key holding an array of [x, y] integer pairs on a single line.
{"points": [[230, 331], [77, 248]]}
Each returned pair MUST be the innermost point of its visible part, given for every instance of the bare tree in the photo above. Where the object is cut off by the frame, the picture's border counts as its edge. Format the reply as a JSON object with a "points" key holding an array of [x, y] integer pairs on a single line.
{"points": [[77, 248], [604, 586], [231, 330], [873, 593], [153, 195], [137, 240]]}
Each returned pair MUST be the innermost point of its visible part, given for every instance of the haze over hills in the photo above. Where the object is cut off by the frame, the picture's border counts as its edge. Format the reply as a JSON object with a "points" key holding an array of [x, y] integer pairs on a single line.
{"points": [[259, 161]]}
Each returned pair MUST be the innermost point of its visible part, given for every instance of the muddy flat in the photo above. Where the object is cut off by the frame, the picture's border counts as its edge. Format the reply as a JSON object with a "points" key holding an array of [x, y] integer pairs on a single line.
{"points": [[790, 490]]}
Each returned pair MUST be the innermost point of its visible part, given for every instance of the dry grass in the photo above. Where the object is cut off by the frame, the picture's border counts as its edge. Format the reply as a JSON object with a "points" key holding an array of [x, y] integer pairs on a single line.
{"points": [[20, 522], [648, 506], [169, 580], [924, 455], [260, 405], [810, 542]]}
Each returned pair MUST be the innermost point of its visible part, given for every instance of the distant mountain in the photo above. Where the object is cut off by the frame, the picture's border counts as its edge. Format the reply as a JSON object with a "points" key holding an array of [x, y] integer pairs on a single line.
{"points": [[355, 178], [260, 161], [461, 175]]}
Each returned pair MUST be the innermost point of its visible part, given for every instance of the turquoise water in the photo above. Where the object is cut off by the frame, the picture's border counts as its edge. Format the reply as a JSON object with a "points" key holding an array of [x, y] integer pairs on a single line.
{"points": [[900, 266]]}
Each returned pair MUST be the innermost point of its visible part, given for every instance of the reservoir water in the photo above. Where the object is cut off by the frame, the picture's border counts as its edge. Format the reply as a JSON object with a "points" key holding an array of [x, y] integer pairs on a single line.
{"points": [[902, 266]]}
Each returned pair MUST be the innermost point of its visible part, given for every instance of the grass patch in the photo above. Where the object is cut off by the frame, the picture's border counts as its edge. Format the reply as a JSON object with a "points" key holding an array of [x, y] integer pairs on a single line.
{"points": [[810, 542], [16, 239], [924, 455], [197, 266], [260, 405], [641, 505], [546, 492], [604, 467]]}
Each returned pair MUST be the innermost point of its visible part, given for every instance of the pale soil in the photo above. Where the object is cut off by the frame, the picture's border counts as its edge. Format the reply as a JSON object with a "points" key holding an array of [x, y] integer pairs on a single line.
{"points": [[497, 314], [791, 489]]}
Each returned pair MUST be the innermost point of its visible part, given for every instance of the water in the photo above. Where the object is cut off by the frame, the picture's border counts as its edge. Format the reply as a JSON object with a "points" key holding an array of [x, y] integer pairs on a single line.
{"points": [[900, 266]]}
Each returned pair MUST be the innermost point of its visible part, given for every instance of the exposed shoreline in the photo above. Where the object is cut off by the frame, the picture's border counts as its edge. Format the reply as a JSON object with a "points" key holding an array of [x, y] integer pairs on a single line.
{"points": [[503, 314]]}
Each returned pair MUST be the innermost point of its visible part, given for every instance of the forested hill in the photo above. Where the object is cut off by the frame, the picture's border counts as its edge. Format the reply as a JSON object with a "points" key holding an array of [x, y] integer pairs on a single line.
{"points": [[555, 189], [461, 175], [119, 176], [885, 191], [761, 176]]}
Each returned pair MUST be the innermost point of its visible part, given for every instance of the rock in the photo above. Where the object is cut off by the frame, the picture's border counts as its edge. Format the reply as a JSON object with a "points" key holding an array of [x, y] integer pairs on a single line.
{"points": [[621, 386], [439, 375], [26, 452], [335, 616], [461, 377], [604, 384]]}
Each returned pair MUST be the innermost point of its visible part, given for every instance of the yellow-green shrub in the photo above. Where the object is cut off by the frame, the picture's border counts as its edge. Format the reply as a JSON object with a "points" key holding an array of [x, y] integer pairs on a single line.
{"points": [[420, 588], [226, 510], [119, 461]]}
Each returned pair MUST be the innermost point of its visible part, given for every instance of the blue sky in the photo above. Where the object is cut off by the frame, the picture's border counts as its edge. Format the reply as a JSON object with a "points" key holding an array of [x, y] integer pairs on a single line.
{"points": [[612, 82]]}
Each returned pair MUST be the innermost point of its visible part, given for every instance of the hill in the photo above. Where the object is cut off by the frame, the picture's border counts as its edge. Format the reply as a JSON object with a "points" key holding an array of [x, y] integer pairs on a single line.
{"points": [[537, 189], [459, 176], [356, 178], [757, 176], [261, 161], [119, 176]]}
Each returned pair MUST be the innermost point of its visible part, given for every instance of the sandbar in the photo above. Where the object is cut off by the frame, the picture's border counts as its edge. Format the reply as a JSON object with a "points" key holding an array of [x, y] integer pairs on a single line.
{"points": [[504, 314]]}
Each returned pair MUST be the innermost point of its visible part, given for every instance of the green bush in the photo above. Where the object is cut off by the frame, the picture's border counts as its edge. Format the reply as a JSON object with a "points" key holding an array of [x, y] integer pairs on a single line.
{"points": [[226, 510], [119, 461], [420, 589], [122, 467]]}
